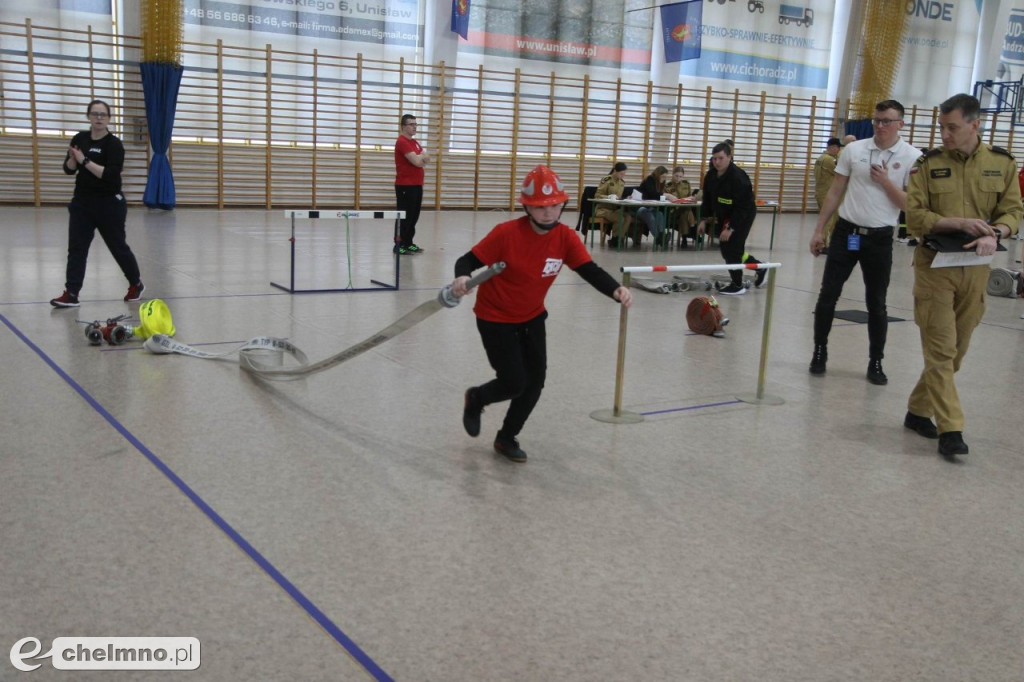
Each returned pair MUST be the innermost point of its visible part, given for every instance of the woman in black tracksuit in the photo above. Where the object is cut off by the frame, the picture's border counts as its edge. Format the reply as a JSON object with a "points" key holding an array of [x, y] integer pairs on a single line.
{"points": [[729, 199], [95, 157]]}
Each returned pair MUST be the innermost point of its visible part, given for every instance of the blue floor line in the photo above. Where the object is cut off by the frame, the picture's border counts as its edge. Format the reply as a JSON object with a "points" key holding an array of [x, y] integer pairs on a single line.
{"points": [[692, 407], [351, 647]]}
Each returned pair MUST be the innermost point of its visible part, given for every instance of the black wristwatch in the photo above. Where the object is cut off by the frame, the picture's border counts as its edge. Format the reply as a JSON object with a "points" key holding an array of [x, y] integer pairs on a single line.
{"points": [[85, 161]]}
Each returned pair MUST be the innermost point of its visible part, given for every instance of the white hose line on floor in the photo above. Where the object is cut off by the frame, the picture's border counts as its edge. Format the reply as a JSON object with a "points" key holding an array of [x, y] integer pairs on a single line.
{"points": [[262, 356]]}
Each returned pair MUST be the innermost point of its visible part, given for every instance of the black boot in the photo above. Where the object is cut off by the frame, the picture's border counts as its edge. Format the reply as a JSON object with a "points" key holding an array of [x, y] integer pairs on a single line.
{"points": [[922, 425], [818, 360], [875, 373], [952, 444]]}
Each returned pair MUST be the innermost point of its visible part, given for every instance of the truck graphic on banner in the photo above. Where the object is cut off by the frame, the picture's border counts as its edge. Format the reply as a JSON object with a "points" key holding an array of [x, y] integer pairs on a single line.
{"points": [[801, 16]]}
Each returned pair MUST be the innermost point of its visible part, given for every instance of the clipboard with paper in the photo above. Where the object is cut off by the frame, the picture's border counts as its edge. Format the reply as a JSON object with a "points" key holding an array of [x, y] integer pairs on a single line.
{"points": [[950, 250]]}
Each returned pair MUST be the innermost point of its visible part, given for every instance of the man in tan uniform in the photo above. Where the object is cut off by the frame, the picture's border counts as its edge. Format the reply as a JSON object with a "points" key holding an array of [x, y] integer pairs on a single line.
{"points": [[824, 174], [966, 187]]}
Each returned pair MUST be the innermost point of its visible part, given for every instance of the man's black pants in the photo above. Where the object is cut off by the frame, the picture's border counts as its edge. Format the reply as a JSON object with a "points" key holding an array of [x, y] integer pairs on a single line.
{"points": [[409, 199], [875, 258]]}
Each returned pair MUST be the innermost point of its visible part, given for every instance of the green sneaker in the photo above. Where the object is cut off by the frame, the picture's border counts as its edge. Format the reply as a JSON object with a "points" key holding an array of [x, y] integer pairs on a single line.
{"points": [[412, 248]]}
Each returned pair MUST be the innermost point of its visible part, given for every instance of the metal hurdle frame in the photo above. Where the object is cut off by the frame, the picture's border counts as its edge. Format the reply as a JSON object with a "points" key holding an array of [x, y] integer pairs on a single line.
{"points": [[619, 416], [347, 215]]}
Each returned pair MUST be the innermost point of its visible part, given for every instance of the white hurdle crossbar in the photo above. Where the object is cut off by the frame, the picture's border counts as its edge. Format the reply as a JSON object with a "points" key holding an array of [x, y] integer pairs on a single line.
{"points": [[345, 215], [617, 415]]}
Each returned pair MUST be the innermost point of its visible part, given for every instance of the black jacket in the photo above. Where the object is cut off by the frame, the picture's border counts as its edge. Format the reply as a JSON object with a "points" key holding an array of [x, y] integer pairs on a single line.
{"points": [[729, 196], [650, 188]]}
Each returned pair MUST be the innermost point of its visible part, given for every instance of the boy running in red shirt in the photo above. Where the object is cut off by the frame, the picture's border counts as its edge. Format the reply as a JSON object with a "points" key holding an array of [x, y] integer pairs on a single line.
{"points": [[510, 307]]}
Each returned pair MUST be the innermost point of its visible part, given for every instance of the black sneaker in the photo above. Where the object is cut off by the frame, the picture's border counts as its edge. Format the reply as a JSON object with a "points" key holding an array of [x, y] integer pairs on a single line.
{"points": [[818, 360], [875, 373], [412, 248], [760, 277], [922, 425], [613, 242], [65, 300], [733, 290], [509, 447], [951, 444], [471, 411]]}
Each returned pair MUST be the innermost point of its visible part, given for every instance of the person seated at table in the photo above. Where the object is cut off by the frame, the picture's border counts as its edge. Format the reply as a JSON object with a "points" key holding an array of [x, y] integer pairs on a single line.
{"points": [[653, 219], [678, 187], [612, 185]]}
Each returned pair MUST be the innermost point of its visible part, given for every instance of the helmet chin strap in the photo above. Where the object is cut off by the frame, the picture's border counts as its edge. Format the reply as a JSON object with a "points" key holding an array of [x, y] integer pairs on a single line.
{"points": [[547, 227]]}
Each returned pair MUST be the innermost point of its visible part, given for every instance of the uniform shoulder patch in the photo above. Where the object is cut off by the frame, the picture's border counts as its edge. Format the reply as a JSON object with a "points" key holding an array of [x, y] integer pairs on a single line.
{"points": [[928, 153], [1000, 150]]}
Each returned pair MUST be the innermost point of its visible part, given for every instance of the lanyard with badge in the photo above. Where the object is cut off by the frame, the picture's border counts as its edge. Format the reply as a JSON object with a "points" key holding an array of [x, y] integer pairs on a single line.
{"points": [[879, 158]]}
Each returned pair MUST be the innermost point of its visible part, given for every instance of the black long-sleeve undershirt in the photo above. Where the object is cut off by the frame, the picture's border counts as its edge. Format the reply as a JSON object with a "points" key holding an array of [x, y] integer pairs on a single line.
{"points": [[592, 273]]}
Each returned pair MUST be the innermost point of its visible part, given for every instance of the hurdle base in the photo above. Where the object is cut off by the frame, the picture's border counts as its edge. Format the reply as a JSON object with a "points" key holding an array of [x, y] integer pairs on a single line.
{"points": [[381, 286], [623, 417], [765, 399]]}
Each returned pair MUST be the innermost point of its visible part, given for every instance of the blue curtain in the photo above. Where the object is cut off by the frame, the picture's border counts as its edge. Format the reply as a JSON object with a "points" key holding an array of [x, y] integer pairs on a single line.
{"points": [[160, 82], [862, 129]]}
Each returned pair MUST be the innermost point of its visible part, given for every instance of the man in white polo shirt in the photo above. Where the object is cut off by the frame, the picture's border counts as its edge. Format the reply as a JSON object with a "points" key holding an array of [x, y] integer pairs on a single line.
{"points": [[869, 191]]}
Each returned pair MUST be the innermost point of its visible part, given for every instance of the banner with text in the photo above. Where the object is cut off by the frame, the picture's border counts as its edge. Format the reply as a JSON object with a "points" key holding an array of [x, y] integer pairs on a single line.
{"points": [[380, 22], [55, 12], [786, 45], [587, 32], [939, 47]]}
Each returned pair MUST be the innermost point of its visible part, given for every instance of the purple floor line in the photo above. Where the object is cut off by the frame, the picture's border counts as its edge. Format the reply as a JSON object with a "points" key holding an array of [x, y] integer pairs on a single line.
{"points": [[692, 407]]}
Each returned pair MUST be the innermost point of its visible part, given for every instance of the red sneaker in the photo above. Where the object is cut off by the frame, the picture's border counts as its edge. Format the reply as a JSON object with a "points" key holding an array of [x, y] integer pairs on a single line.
{"points": [[134, 292], [66, 300]]}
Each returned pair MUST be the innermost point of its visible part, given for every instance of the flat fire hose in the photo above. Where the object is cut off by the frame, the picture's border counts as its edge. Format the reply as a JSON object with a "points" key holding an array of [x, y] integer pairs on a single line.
{"points": [[1003, 282], [253, 353]]}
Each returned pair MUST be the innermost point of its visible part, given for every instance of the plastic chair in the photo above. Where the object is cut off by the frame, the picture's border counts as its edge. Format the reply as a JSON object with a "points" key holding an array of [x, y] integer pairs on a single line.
{"points": [[587, 221], [586, 210]]}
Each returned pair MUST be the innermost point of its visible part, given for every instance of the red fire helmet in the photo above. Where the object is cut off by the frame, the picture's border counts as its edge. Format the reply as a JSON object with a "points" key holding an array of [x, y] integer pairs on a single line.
{"points": [[542, 187]]}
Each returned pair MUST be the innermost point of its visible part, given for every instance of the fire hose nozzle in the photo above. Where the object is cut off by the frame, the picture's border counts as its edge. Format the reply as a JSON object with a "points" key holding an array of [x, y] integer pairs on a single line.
{"points": [[95, 334], [450, 300]]}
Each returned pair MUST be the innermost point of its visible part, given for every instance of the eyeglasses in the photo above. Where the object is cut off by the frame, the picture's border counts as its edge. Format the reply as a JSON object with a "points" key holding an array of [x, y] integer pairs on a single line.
{"points": [[884, 122], [98, 114]]}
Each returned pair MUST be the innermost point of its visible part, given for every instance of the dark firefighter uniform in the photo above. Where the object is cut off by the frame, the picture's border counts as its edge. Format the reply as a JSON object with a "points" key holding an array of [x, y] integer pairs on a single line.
{"points": [[950, 302]]}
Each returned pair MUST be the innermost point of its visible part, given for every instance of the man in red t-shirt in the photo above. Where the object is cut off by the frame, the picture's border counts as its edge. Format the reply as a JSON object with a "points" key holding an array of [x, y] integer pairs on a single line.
{"points": [[410, 158], [510, 310]]}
